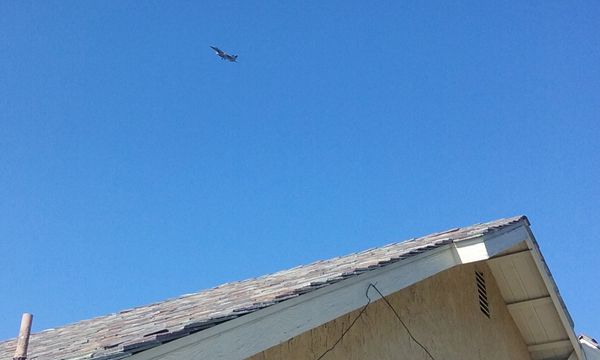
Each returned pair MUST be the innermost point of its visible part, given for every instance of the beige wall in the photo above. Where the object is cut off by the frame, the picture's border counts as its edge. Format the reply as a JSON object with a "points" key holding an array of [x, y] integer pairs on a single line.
{"points": [[442, 312]]}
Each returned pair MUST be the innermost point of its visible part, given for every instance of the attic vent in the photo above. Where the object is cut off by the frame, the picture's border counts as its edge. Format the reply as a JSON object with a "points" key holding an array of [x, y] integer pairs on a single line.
{"points": [[484, 306]]}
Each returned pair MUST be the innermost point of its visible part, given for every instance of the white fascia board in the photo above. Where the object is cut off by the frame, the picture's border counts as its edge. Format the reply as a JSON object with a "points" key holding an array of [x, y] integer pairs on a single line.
{"points": [[487, 246], [563, 314], [250, 334]]}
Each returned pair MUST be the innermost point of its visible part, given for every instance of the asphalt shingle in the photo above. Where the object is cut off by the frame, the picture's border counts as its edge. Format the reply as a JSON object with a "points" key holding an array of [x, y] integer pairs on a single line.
{"points": [[119, 335]]}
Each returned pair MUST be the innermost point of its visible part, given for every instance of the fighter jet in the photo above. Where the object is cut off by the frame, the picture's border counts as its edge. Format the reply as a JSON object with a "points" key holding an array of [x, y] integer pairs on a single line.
{"points": [[223, 55]]}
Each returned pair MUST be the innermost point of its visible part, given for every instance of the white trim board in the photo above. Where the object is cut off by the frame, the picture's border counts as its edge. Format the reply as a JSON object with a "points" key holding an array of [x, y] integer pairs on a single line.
{"points": [[245, 336], [563, 314]]}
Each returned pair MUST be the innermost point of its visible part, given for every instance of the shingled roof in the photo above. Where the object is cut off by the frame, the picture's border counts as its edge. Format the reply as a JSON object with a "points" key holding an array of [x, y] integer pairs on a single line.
{"points": [[120, 335]]}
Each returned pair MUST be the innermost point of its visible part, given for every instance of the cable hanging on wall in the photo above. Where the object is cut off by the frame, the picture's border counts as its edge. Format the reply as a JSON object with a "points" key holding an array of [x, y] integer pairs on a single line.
{"points": [[364, 308]]}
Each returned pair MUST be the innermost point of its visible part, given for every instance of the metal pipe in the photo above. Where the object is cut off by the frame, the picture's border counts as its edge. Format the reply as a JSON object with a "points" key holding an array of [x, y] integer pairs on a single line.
{"points": [[23, 340]]}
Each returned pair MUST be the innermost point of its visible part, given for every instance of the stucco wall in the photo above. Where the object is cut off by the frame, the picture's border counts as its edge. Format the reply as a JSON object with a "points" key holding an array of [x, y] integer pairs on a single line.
{"points": [[442, 312]]}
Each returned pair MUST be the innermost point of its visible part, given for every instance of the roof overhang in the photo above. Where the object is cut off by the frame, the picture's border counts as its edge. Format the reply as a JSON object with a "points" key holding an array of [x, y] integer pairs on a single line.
{"points": [[529, 291], [245, 336]]}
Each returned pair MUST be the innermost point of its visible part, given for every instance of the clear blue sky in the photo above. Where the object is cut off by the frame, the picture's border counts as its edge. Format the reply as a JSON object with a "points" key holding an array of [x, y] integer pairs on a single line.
{"points": [[136, 166]]}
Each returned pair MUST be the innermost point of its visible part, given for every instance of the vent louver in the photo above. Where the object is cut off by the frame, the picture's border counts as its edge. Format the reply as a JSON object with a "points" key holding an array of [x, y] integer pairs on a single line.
{"points": [[484, 305]]}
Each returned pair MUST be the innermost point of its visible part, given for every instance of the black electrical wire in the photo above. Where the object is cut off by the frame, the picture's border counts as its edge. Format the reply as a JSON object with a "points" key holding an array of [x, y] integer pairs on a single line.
{"points": [[360, 314], [351, 324], [402, 322]]}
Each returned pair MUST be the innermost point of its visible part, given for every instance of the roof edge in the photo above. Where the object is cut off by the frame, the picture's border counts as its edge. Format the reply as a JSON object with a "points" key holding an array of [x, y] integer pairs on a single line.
{"points": [[557, 300], [251, 334]]}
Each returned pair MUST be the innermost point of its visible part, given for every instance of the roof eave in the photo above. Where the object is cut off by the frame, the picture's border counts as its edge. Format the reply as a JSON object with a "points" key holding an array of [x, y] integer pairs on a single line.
{"points": [[495, 245], [245, 336], [552, 288], [252, 333]]}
